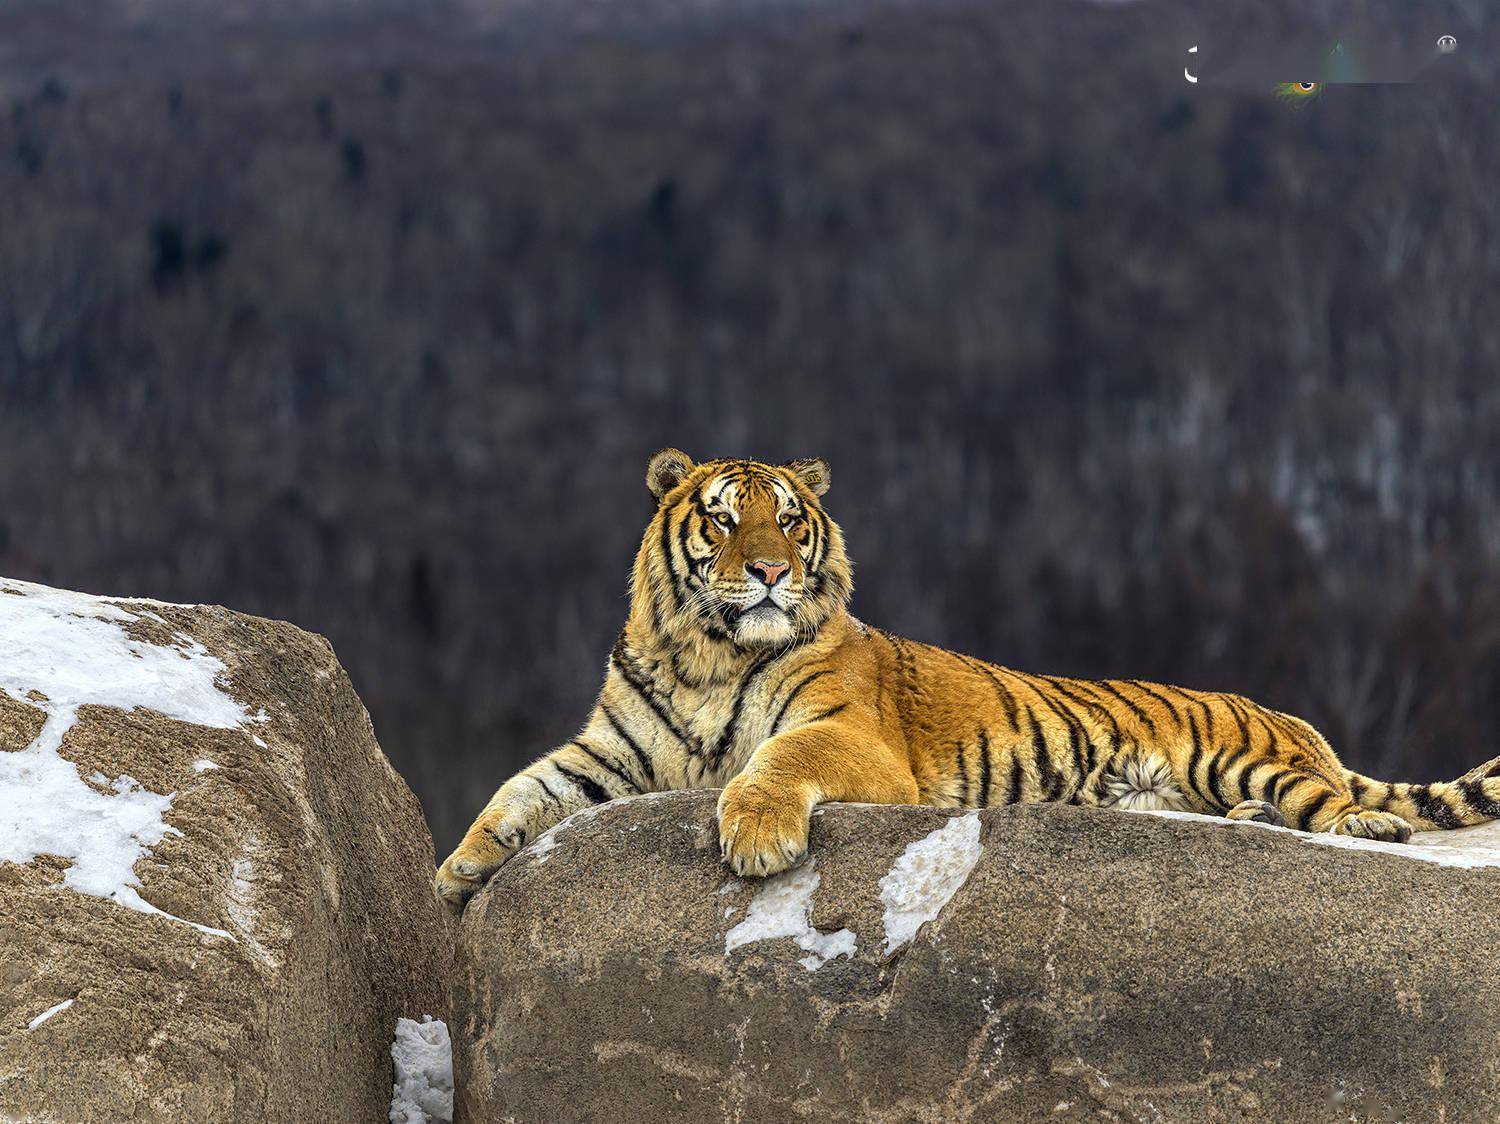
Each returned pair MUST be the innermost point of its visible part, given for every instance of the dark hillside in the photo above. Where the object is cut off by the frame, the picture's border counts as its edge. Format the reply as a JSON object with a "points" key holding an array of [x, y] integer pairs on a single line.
{"points": [[368, 317]]}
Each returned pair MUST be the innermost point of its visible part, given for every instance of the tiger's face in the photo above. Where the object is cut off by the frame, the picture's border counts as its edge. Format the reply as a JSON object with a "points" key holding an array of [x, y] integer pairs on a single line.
{"points": [[745, 551]]}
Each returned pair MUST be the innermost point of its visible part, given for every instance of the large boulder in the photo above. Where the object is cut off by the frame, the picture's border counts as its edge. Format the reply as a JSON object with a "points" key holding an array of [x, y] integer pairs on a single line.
{"points": [[1018, 964], [214, 890]]}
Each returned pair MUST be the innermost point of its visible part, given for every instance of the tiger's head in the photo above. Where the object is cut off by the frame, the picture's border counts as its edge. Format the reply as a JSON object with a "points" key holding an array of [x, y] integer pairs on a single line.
{"points": [[740, 551]]}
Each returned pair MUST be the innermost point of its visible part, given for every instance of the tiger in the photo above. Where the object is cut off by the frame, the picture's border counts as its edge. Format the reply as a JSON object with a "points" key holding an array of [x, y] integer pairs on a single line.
{"points": [[740, 667]]}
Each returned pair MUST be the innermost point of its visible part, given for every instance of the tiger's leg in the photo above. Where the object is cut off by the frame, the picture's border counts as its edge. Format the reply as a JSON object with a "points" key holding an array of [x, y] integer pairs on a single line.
{"points": [[1245, 759], [764, 811], [1295, 796], [597, 767]]}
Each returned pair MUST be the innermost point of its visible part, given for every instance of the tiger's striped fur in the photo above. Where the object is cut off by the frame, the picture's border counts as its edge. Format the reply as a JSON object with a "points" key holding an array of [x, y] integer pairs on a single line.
{"points": [[741, 668]]}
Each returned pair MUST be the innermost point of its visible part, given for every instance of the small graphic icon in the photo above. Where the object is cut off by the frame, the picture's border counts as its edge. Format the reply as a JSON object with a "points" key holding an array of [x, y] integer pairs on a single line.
{"points": [[1190, 77], [1446, 44]]}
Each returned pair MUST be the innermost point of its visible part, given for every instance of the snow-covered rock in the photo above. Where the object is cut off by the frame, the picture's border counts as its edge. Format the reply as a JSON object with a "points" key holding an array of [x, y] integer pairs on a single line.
{"points": [[214, 899], [1016, 964]]}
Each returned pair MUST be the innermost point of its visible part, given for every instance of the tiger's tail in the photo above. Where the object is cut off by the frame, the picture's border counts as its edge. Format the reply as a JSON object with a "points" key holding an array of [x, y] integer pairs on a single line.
{"points": [[1472, 799]]}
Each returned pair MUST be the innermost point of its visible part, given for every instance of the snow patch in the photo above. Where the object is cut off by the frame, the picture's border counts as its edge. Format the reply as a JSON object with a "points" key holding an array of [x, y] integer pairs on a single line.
{"points": [[48, 1013], [203, 765], [1462, 847], [781, 908], [423, 1053], [66, 650], [926, 876]]}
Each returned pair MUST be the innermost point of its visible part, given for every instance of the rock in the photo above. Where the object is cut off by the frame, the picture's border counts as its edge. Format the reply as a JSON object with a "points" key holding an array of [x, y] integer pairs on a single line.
{"points": [[214, 889], [1018, 964]]}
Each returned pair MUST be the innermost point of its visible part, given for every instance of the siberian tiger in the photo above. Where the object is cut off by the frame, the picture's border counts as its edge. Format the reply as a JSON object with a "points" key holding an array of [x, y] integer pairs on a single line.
{"points": [[741, 667]]}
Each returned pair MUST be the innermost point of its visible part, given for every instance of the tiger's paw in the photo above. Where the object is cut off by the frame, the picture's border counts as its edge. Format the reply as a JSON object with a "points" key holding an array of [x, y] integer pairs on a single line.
{"points": [[1256, 811], [464, 873], [762, 830], [1373, 825]]}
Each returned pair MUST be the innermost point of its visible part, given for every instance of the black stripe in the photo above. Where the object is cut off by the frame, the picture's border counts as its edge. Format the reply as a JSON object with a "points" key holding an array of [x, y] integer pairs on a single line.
{"points": [[1226, 763], [495, 835], [682, 541], [1051, 780], [1245, 775], [1356, 787], [630, 676], [829, 713], [1208, 719], [1104, 685], [1290, 780], [1239, 718], [1093, 707], [1305, 817], [1007, 700], [1211, 775], [1267, 717], [607, 766], [1017, 780], [963, 776], [1474, 795], [1077, 735], [591, 789], [666, 553], [640, 754], [814, 558], [1192, 769], [1432, 807], [797, 690], [1166, 702], [984, 771], [556, 799], [1245, 778], [726, 738]]}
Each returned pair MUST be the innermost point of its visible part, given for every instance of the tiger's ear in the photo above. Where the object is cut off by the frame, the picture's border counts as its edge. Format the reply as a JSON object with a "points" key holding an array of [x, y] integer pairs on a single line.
{"points": [[667, 469], [812, 471]]}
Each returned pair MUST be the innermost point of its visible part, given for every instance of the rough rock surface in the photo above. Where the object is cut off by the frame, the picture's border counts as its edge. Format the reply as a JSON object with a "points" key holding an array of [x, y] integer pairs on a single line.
{"points": [[1083, 964], [282, 923]]}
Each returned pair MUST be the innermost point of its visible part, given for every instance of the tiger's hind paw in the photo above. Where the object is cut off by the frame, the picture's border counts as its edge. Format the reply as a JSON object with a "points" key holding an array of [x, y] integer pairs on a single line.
{"points": [[1256, 811], [1373, 825]]}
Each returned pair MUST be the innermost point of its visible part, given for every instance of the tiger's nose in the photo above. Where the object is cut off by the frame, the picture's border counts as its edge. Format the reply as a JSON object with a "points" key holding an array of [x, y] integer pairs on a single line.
{"points": [[766, 571]]}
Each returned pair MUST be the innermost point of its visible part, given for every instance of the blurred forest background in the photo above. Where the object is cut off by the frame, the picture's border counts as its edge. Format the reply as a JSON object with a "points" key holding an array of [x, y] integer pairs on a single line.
{"points": [[368, 315]]}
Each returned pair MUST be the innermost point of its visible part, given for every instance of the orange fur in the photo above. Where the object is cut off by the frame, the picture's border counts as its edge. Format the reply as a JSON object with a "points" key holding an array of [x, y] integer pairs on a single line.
{"points": [[741, 667]]}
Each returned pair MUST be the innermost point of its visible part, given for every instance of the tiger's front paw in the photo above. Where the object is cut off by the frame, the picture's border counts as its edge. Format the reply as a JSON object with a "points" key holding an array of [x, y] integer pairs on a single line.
{"points": [[762, 828], [483, 851]]}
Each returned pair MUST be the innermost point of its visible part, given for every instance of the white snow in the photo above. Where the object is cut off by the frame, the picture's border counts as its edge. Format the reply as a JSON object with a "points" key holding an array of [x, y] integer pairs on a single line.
{"points": [[926, 876], [65, 650], [48, 1013], [1462, 847], [203, 765], [781, 908], [423, 1053]]}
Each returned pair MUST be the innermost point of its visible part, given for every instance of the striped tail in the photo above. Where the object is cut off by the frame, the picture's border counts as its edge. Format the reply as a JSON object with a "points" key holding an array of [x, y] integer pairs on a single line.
{"points": [[1472, 799]]}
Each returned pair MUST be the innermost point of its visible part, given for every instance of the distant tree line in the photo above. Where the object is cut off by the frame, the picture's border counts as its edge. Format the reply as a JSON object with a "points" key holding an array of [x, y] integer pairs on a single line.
{"points": [[373, 330]]}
